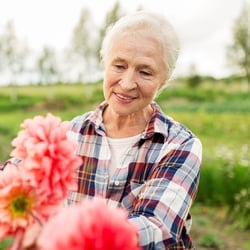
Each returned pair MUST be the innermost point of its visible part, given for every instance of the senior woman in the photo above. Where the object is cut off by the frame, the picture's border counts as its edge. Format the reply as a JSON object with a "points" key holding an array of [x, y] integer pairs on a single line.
{"points": [[133, 154]]}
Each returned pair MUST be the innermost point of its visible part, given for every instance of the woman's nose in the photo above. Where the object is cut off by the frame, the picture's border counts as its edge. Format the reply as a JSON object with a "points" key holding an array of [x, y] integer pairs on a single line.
{"points": [[128, 80]]}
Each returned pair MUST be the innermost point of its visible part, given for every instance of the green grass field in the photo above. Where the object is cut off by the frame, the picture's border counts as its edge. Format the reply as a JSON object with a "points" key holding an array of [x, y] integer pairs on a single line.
{"points": [[217, 112]]}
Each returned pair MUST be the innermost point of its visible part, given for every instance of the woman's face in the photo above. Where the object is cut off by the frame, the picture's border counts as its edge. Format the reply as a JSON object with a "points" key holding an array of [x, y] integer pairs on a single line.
{"points": [[134, 72]]}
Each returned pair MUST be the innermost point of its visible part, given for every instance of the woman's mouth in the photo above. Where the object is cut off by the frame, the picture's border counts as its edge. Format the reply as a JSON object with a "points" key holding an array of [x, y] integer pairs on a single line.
{"points": [[124, 98]]}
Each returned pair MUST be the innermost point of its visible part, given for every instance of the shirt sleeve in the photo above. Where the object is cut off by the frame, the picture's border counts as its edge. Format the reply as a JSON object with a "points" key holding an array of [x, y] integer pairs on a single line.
{"points": [[163, 204]]}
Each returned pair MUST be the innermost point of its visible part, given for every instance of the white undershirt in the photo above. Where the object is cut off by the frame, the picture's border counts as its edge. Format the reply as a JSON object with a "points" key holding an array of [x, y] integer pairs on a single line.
{"points": [[118, 147]]}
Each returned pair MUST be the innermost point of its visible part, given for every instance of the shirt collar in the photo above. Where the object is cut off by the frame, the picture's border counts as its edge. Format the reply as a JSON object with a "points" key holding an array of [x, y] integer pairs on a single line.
{"points": [[158, 123]]}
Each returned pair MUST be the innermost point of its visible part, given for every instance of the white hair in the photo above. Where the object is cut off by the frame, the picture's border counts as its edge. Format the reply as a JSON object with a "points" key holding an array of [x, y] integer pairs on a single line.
{"points": [[151, 24]]}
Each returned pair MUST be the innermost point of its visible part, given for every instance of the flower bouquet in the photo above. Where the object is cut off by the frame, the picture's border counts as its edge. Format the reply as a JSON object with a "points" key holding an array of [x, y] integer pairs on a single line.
{"points": [[33, 187]]}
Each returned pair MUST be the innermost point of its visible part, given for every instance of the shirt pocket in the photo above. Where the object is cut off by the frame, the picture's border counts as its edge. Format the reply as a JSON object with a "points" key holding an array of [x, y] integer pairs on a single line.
{"points": [[134, 193]]}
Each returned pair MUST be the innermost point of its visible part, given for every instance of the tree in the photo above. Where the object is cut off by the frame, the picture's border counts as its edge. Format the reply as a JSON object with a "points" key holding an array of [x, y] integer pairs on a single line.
{"points": [[111, 17], [13, 51], [194, 79], [85, 45], [239, 50], [46, 65], [81, 47], [13, 54]]}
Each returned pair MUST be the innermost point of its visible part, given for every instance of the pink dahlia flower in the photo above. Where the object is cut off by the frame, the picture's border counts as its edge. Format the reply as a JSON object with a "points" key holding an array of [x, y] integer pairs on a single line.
{"points": [[48, 158], [17, 201], [90, 225]]}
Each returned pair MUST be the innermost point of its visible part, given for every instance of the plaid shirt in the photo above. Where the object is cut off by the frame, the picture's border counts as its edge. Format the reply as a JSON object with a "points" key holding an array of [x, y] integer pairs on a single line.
{"points": [[158, 180]]}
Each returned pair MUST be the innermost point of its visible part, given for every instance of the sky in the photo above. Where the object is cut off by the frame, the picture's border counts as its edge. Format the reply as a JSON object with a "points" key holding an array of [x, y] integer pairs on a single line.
{"points": [[204, 26]]}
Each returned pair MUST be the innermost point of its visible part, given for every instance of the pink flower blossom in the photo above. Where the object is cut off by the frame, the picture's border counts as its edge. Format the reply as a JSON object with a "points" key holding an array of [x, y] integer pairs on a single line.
{"points": [[17, 201], [48, 158], [90, 225], [34, 190]]}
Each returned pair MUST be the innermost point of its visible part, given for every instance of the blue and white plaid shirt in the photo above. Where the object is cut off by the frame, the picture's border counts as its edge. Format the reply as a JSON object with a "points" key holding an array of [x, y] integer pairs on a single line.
{"points": [[156, 184]]}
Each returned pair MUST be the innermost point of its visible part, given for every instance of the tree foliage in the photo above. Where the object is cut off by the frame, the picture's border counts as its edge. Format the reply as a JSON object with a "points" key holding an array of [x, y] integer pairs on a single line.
{"points": [[193, 79], [46, 65], [81, 61], [13, 52], [82, 45], [111, 17], [13, 56], [239, 50], [85, 44]]}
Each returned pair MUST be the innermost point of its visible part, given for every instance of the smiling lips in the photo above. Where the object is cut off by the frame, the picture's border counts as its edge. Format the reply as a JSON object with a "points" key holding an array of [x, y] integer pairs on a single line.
{"points": [[124, 98]]}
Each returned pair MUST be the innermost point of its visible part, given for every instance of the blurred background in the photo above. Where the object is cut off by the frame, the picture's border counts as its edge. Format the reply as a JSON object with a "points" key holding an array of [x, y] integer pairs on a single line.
{"points": [[49, 62], [60, 40]]}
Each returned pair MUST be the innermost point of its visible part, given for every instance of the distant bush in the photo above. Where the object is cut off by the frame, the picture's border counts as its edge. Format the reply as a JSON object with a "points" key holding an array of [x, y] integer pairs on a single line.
{"points": [[240, 211], [220, 183], [210, 241], [194, 81], [224, 184]]}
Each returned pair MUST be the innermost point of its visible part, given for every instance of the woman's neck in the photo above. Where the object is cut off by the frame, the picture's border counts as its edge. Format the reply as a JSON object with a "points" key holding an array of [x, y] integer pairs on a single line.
{"points": [[118, 126]]}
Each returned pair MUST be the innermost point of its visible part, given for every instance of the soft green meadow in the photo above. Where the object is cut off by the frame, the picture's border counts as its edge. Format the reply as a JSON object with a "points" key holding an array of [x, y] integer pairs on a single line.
{"points": [[218, 112]]}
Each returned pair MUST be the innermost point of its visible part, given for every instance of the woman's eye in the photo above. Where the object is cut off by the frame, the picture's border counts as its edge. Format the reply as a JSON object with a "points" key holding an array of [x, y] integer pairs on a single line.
{"points": [[146, 73], [119, 66]]}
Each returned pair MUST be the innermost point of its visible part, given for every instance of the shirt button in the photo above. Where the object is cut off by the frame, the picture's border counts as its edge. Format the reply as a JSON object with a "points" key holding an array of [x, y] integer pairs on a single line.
{"points": [[117, 183]]}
